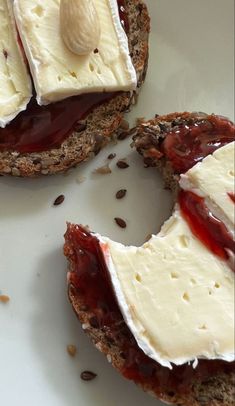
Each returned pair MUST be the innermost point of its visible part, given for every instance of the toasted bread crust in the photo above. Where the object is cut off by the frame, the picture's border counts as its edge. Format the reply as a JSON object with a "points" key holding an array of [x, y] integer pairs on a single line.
{"points": [[218, 389], [100, 124]]}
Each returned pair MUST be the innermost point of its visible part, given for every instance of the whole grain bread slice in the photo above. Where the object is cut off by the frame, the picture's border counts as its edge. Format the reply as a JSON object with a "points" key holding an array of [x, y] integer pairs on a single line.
{"points": [[216, 387], [98, 127]]}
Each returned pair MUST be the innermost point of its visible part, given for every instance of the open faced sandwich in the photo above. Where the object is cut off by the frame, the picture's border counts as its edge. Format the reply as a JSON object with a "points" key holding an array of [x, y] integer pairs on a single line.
{"points": [[68, 72], [163, 313]]}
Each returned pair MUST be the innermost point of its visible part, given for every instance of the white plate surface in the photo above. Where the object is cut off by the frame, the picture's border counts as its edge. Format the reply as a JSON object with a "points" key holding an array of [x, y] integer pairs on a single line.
{"points": [[191, 68]]}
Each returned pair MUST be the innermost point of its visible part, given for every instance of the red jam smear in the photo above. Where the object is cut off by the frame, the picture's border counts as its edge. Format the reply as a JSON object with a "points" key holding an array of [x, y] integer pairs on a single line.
{"points": [[205, 226], [232, 196], [123, 15], [189, 144], [90, 281], [41, 128]]}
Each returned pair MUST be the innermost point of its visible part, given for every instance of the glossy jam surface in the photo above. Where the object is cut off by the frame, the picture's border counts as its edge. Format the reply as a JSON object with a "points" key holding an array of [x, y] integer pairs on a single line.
{"points": [[123, 15], [41, 128], [90, 281], [190, 143], [205, 226], [232, 196]]}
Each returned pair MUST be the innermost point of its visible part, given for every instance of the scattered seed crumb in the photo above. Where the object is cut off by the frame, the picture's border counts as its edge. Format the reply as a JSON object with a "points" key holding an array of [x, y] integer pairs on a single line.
{"points": [[123, 135], [88, 375], [5, 53], [80, 179], [59, 200], [71, 350], [120, 222], [140, 120], [4, 298], [109, 358], [121, 194], [103, 170], [112, 156], [87, 228], [122, 164], [124, 125]]}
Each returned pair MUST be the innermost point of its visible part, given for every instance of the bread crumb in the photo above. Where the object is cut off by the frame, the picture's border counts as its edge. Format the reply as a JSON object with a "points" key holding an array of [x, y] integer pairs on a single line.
{"points": [[71, 350], [103, 170], [4, 298], [80, 179]]}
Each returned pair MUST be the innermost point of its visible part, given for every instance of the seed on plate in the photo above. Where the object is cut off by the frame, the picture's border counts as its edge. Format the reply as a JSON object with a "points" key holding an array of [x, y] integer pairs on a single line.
{"points": [[112, 156], [122, 136], [121, 193], [59, 200], [71, 350], [88, 375], [4, 298], [122, 164], [120, 222]]}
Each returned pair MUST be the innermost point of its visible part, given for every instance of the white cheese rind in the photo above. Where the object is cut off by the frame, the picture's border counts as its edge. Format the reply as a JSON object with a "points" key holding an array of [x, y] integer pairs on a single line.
{"points": [[15, 82], [176, 297], [57, 72], [214, 178]]}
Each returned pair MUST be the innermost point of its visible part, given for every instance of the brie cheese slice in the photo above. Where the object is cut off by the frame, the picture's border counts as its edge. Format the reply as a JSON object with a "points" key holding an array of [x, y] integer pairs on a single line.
{"points": [[176, 297], [214, 179], [59, 73], [15, 82]]}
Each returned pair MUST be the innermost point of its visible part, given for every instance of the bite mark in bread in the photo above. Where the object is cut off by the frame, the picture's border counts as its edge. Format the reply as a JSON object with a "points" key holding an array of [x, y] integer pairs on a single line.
{"points": [[216, 387]]}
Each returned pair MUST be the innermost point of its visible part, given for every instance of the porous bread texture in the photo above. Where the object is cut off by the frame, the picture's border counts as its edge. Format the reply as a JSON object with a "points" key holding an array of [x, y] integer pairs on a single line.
{"points": [[214, 390], [96, 130]]}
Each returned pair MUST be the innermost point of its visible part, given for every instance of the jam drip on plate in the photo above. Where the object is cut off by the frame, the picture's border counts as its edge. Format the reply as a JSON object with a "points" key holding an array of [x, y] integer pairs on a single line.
{"points": [[89, 281], [188, 143], [205, 226], [42, 128]]}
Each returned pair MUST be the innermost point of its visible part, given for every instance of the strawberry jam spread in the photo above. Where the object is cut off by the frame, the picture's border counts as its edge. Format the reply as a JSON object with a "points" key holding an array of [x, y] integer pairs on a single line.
{"points": [[89, 281], [123, 15], [188, 144], [41, 128], [205, 226]]}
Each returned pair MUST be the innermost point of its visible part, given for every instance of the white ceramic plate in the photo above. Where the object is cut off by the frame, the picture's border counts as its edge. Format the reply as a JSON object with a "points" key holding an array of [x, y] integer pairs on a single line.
{"points": [[191, 68]]}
